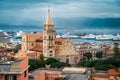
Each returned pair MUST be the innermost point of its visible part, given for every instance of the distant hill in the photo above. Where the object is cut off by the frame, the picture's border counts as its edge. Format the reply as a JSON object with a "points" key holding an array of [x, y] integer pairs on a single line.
{"points": [[71, 23], [89, 23]]}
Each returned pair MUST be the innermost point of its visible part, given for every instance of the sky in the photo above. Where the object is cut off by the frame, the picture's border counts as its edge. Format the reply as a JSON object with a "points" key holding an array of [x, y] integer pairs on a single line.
{"points": [[33, 12]]}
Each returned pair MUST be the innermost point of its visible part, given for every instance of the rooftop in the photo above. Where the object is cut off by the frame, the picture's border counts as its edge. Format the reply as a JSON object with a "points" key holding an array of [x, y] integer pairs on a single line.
{"points": [[98, 77], [113, 72], [11, 67], [37, 48], [38, 71], [60, 39], [38, 34]]}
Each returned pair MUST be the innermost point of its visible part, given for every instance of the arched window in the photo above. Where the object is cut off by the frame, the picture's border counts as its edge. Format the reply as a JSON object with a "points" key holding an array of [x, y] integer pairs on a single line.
{"points": [[51, 54], [49, 37], [67, 59], [32, 44]]}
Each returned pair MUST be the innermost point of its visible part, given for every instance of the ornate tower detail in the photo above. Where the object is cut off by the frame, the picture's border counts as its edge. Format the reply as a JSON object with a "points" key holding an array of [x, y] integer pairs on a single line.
{"points": [[48, 37]]}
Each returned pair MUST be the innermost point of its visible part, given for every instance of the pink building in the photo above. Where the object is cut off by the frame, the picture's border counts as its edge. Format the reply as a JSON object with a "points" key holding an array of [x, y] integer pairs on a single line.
{"points": [[14, 70], [45, 75]]}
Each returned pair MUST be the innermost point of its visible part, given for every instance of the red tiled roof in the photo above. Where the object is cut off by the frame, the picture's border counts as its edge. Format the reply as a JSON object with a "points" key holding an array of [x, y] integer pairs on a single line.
{"points": [[32, 54], [3, 50], [113, 72], [37, 48], [40, 49], [39, 34], [109, 51], [60, 39], [41, 38], [10, 57]]}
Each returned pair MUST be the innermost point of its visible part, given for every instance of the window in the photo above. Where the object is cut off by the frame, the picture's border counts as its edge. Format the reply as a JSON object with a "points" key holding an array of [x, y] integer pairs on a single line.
{"points": [[25, 73], [14, 78], [67, 59], [51, 51], [10, 77], [0, 76], [51, 55], [49, 37], [32, 44], [24, 39]]}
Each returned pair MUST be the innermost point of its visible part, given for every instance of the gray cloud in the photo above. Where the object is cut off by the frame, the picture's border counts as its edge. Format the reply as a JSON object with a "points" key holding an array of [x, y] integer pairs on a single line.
{"points": [[34, 11]]}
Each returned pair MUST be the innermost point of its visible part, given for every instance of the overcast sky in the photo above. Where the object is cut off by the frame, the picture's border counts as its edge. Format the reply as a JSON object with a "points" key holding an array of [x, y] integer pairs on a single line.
{"points": [[35, 11]]}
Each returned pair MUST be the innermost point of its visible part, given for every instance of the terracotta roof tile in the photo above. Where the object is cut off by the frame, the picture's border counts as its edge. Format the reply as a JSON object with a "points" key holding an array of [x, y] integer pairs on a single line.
{"points": [[41, 38], [3, 49], [60, 39], [10, 57], [113, 72], [37, 48], [32, 54], [39, 34], [109, 51]]}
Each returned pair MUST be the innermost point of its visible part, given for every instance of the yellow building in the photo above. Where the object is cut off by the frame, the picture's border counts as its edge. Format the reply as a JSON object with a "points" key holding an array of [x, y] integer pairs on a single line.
{"points": [[45, 43]]}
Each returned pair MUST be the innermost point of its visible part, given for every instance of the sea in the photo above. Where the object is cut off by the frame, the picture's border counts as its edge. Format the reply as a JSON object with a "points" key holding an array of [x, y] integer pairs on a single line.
{"points": [[73, 30], [76, 30]]}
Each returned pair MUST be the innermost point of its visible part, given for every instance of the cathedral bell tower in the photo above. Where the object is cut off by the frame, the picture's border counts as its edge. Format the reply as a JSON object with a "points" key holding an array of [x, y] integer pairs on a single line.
{"points": [[48, 37]]}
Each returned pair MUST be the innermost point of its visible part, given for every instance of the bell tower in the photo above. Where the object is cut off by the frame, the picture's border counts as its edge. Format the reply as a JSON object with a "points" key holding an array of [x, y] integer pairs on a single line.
{"points": [[48, 37]]}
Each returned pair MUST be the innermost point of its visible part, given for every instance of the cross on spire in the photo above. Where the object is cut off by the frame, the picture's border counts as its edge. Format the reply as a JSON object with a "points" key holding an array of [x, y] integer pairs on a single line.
{"points": [[48, 19]]}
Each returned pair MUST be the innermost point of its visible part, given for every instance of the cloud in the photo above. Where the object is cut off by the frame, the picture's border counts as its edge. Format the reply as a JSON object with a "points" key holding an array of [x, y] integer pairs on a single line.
{"points": [[35, 11]]}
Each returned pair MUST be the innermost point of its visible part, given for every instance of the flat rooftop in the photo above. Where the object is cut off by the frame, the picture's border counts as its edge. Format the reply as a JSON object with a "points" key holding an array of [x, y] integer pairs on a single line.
{"points": [[10, 61], [7, 67], [38, 71]]}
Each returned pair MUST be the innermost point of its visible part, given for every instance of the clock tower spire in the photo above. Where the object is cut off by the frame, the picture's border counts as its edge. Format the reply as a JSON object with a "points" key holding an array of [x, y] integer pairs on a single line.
{"points": [[48, 37]]}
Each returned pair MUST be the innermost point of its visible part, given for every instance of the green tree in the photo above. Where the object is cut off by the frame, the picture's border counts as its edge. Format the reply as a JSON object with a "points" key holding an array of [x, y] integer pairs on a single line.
{"points": [[88, 55], [59, 65], [37, 63], [99, 54], [116, 49], [51, 60], [42, 58], [81, 62], [91, 63]]}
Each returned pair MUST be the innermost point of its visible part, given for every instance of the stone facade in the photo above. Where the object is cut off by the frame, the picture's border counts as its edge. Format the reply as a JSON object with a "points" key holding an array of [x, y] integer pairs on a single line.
{"points": [[48, 37], [45, 43], [67, 53]]}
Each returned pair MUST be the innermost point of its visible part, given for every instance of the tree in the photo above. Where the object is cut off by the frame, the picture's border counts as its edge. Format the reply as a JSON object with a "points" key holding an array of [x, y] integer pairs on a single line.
{"points": [[51, 60], [59, 65], [81, 62], [42, 58], [37, 63], [116, 49], [88, 55], [99, 54], [91, 63]]}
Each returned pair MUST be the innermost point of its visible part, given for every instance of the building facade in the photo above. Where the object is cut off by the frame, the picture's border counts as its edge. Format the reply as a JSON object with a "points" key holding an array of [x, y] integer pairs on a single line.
{"points": [[14, 70], [46, 75], [47, 44]]}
